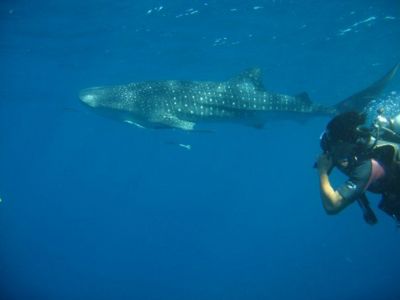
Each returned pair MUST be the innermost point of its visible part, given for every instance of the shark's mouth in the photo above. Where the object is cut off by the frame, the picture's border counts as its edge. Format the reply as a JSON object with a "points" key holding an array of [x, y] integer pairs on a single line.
{"points": [[91, 96]]}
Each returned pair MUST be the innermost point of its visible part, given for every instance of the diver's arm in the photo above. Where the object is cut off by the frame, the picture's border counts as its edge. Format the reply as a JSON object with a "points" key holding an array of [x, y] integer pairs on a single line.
{"points": [[332, 201]]}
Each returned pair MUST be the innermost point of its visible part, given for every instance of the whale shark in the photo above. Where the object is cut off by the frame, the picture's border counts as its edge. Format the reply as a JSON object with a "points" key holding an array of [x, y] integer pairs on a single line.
{"points": [[242, 99]]}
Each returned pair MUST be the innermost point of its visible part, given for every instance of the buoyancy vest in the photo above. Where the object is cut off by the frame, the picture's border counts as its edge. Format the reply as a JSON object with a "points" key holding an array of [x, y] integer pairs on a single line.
{"points": [[387, 154]]}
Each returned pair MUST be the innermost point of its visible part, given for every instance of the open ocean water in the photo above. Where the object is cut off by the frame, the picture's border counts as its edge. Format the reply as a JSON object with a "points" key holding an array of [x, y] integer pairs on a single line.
{"points": [[96, 209]]}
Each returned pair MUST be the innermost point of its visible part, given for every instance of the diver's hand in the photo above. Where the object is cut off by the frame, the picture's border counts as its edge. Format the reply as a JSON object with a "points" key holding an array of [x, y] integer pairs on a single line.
{"points": [[324, 164]]}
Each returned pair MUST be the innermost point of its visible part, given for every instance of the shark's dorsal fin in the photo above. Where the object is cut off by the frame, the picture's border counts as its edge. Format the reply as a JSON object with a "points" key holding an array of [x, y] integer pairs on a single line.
{"points": [[252, 76], [303, 97]]}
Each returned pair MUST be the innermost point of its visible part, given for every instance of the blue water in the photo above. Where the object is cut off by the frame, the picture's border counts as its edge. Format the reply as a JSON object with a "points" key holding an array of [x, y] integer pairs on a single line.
{"points": [[96, 209]]}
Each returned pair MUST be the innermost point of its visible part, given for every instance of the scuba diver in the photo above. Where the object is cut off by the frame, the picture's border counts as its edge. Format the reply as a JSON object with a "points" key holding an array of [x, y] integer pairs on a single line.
{"points": [[370, 157]]}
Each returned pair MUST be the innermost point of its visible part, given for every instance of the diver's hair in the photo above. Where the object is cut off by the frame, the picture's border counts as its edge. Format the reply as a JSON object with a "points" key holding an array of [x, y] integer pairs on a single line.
{"points": [[345, 127]]}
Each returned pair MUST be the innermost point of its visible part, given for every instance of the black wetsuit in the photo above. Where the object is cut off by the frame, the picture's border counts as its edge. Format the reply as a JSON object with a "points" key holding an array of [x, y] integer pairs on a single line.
{"points": [[370, 175], [360, 179]]}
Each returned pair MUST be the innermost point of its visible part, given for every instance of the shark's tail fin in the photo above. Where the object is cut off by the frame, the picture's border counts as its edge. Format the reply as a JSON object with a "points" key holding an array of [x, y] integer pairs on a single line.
{"points": [[360, 100]]}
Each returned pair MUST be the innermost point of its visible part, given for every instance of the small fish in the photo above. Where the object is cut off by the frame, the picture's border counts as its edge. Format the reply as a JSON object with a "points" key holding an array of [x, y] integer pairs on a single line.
{"points": [[185, 146], [134, 123]]}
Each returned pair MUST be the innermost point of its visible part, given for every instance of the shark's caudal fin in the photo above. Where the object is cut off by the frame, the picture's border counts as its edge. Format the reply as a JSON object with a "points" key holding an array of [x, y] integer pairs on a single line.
{"points": [[360, 100], [252, 76]]}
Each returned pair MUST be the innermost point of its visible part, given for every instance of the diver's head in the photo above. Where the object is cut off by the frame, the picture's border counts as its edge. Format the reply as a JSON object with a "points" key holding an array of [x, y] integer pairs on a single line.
{"points": [[344, 139]]}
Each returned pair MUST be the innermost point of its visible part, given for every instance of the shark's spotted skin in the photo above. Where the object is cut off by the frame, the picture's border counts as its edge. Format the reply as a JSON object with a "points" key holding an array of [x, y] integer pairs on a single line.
{"points": [[183, 104]]}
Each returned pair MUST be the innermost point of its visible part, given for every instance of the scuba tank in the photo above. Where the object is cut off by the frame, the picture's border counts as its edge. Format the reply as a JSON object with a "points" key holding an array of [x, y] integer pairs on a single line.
{"points": [[385, 128]]}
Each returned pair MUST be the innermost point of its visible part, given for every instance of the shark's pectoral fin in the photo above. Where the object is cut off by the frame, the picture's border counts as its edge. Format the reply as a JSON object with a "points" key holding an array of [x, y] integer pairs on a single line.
{"points": [[175, 122]]}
